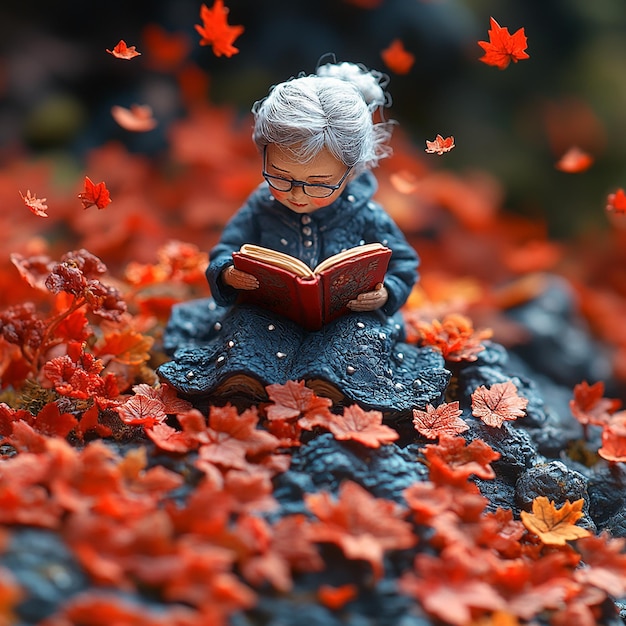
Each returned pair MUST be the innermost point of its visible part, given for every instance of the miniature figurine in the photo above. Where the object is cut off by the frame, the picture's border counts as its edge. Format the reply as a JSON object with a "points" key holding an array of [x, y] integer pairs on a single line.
{"points": [[318, 141]]}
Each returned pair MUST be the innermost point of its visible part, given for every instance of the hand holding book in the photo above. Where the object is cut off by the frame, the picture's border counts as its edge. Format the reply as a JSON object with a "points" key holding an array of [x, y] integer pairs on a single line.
{"points": [[348, 281], [370, 300]]}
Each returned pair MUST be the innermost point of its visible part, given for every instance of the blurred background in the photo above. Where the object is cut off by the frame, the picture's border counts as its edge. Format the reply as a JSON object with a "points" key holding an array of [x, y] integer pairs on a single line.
{"points": [[57, 84]]}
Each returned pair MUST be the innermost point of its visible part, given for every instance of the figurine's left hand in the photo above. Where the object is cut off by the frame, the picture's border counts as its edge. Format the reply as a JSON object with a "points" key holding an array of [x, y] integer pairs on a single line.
{"points": [[370, 300]]}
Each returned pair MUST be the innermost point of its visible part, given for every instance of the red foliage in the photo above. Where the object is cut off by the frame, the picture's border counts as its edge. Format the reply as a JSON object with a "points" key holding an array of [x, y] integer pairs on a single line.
{"points": [[122, 51], [443, 419], [363, 527], [498, 404], [397, 58], [94, 194], [502, 47], [215, 30], [440, 145]]}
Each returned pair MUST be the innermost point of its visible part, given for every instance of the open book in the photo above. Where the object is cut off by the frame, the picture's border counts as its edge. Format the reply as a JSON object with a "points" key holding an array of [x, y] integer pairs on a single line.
{"points": [[311, 297]]}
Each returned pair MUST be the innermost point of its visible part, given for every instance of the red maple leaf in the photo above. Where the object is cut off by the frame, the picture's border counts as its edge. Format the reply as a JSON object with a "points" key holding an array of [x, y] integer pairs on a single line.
{"points": [[432, 422], [439, 145], [122, 51], [93, 194], [574, 161], [52, 423], [502, 47], [294, 400], [37, 205], [589, 406], [360, 524], [613, 447], [142, 410], [454, 336], [448, 588], [137, 119], [366, 427], [605, 563], [397, 58], [77, 375], [215, 30], [463, 460], [616, 202], [498, 404]]}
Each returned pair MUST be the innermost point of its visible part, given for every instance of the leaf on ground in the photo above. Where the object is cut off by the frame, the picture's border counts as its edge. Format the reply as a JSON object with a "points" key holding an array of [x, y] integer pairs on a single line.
{"points": [[555, 526]]}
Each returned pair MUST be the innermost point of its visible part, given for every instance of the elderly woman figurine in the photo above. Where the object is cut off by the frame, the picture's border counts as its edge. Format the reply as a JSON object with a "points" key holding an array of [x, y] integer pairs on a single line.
{"points": [[318, 142]]}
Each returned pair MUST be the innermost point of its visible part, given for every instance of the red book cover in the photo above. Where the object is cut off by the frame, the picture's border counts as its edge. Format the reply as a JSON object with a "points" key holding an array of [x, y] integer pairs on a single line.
{"points": [[311, 298]]}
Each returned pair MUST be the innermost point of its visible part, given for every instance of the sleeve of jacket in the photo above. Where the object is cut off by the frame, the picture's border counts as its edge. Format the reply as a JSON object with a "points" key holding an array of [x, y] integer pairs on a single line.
{"points": [[402, 271], [242, 228]]}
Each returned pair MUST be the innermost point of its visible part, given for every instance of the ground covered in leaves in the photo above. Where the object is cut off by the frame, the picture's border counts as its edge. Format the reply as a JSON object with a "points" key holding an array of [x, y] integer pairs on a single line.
{"points": [[120, 503]]}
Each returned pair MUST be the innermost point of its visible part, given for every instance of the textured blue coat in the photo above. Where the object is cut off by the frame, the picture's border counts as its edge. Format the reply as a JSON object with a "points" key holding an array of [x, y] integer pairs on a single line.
{"points": [[220, 347]]}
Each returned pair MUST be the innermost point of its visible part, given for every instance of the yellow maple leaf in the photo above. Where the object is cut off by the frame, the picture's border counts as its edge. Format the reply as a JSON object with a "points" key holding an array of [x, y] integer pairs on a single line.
{"points": [[555, 526]]}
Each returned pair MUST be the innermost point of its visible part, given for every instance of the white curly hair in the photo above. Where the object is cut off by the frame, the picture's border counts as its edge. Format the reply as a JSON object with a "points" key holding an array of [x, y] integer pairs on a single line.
{"points": [[332, 109]]}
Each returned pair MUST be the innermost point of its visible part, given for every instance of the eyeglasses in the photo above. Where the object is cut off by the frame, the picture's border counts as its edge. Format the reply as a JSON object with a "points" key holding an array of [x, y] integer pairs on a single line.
{"points": [[314, 190]]}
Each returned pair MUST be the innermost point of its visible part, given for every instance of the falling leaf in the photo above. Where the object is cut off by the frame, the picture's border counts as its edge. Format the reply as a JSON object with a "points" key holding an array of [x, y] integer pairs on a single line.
{"points": [[93, 194], [574, 161], [616, 202], [215, 30], [498, 404], [122, 51], [397, 58], [555, 526], [432, 422], [37, 205], [502, 47], [137, 119], [439, 145]]}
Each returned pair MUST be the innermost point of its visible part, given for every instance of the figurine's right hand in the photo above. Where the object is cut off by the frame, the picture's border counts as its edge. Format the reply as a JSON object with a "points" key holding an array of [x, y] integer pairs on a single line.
{"points": [[238, 279]]}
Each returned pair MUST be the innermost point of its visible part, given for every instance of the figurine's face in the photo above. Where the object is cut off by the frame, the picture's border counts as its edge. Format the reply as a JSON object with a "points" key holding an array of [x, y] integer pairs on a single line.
{"points": [[323, 169]]}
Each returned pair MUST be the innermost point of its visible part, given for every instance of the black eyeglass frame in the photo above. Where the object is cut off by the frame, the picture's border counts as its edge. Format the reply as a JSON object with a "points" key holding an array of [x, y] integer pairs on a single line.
{"points": [[301, 183]]}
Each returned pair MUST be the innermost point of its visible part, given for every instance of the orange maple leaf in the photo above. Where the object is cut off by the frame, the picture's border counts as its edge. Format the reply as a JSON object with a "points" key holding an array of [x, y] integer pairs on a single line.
{"points": [[37, 205], [498, 404], [122, 51], [589, 406], [434, 421], [215, 30], [454, 336], [125, 346], [439, 145], [93, 194], [137, 119], [360, 524], [366, 427], [397, 58], [616, 202], [555, 526], [502, 47]]}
